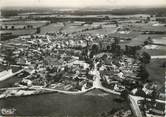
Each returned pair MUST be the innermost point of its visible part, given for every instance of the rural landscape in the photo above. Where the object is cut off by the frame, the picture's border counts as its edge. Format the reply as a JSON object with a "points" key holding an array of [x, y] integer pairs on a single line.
{"points": [[82, 62]]}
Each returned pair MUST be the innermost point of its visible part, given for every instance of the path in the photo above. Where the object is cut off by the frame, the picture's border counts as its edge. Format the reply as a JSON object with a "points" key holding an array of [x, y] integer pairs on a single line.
{"points": [[9, 75], [159, 57], [134, 106]]}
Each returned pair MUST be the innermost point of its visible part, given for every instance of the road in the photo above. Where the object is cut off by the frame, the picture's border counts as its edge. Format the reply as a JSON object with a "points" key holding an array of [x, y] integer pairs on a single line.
{"points": [[10, 74], [158, 57], [134, 106]]}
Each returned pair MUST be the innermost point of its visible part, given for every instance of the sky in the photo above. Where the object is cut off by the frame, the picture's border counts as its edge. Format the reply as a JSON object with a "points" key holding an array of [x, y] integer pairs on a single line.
{"points": [[81, 3]]}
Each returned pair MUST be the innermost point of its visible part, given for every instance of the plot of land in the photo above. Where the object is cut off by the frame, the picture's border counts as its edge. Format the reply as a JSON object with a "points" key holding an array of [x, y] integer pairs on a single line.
{"points": [[54, 27], [19, 32], [31, 22], [156, 71], [56, 104]]}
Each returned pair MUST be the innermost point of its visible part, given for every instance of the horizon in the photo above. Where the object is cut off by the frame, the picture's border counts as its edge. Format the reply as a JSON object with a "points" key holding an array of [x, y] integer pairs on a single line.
{"points": [[83, 3]]}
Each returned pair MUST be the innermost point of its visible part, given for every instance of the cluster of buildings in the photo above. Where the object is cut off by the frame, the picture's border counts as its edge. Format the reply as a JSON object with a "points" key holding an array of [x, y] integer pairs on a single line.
{"points": [[55, 61]]}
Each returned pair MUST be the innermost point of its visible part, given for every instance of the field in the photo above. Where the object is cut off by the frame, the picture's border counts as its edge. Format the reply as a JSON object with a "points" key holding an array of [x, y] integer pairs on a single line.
{"points": [[158, 49], [29, 22], [104, 30], [149, 27], [156, 71], [156, 52], [78, 28], [61, 105], [51, 28], [20, 27], [19, 32]]}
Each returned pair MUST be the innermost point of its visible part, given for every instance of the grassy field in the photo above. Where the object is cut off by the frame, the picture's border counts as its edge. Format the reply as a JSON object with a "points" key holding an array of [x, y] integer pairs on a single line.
{"points": [[51, 28], [105, 30], [157, 73], [138, 40], [24, 23], [61, 105], [156, 52], [68, 27], [19, 32], [149, 27], [72, 27], [159, 50], [19, 25]]}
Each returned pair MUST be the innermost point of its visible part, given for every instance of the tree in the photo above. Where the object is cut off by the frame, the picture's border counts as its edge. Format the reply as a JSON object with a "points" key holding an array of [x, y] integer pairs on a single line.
{"points": [[163, 64], [107, 18], [145, 58], [91, 54], [143, 74], [38, 30], [108, 48], [115, 48], [147, 19], [117, 40], [126, 49], [146, 43], [95, 49], [104, 57], [24, 27], [6, 27], [9, 57], [149, 39], [84, 53], [12, 27], [28, 26]]}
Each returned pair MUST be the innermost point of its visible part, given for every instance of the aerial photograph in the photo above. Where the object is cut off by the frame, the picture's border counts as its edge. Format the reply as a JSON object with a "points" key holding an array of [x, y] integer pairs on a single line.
{"points": [[82, 58]]}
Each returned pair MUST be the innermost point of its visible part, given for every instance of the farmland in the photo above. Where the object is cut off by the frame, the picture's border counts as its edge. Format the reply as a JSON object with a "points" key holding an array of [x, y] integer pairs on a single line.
{"points": [[21, 27]]}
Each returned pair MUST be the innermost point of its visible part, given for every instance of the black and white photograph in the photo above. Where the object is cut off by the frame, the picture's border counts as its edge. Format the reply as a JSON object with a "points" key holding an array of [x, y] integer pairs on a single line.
{"points": [[82, 58]]}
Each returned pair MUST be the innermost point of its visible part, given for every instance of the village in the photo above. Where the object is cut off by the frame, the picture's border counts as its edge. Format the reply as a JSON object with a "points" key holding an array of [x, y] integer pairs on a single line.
{"points": [[80, 61]]}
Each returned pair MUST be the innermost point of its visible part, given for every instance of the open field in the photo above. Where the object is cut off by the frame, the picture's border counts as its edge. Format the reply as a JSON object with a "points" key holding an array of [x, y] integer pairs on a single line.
{"points": [[156, 49], [21, 27], [51, 28], [61, 105], [156, 52], [156, 71], [68, 27], [71, 28], [19, 32], [78, 28], [149, 27], [29, 22], [104, 30]]}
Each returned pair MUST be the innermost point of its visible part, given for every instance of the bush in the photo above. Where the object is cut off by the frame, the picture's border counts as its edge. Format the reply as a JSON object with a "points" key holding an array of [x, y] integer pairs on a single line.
{"points": [[145, 58]]}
